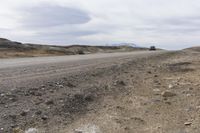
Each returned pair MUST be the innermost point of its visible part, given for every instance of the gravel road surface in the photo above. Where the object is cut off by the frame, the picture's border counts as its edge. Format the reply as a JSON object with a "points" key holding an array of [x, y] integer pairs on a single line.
{"points": [[26, 71]]}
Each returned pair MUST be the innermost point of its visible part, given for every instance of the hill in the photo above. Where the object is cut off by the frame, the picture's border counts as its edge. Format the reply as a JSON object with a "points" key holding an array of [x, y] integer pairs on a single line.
{"points": [[196, 49], [17, 49]]}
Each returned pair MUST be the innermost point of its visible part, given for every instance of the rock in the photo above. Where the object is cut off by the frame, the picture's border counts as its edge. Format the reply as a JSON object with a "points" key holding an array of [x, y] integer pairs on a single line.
{"points": [[38, 112], [122, 83], [70, 85], [60, 86], [126, 128], [2, 95], [44, 117], [190, 89], [168, 94], [49, 102], [149, 72], [198, 107], [170, 86], [188, 123], [24, 112], [52, 91], [78, 131], [156, 91], [32, 130], [17, 130], [89, 98]]}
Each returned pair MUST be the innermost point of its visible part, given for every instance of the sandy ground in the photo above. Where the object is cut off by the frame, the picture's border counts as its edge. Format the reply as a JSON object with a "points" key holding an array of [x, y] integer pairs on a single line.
{"points": [[143, 92]]}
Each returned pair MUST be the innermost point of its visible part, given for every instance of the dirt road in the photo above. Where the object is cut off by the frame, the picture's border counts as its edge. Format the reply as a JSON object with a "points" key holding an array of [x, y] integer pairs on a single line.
{"points": [[24, 71], [141, 92]]}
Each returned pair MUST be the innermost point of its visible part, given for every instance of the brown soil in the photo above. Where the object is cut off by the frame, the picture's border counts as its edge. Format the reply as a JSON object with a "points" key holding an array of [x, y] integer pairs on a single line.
{"points": [[155, 94]]}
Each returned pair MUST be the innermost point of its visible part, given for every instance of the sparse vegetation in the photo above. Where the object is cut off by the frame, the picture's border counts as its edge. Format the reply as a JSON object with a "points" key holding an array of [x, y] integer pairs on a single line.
{"points": [[10, 49]]}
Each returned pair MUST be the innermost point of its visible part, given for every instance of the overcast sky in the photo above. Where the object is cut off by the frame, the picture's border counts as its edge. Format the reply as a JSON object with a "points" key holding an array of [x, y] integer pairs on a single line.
{"points": [[171, 24]]}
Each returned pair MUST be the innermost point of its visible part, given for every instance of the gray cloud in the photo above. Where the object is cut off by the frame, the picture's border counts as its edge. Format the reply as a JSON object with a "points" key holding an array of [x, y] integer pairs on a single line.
{"points": [[170, 24], [185, 21], [53, 15]]}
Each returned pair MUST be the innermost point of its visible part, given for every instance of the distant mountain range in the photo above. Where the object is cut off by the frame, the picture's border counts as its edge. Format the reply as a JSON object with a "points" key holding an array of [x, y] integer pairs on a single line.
{"points": [[124, 44]]}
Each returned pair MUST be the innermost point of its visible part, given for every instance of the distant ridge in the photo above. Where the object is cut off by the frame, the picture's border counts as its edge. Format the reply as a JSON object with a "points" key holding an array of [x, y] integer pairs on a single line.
{"points": [[197, 49], [124, 44], [17, 49]]}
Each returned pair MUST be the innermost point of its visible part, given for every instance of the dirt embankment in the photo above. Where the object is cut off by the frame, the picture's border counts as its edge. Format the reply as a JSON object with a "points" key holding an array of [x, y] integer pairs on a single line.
{"points": [[12, 49], [153, 94]]}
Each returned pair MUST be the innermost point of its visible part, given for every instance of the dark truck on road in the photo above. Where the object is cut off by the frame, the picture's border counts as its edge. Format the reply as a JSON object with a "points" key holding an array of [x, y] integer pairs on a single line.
{"points": [[152, 48]]}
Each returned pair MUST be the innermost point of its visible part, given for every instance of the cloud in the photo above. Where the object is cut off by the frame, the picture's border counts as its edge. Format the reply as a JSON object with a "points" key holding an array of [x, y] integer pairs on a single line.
{"points": [[47, 15], [168, 24]]}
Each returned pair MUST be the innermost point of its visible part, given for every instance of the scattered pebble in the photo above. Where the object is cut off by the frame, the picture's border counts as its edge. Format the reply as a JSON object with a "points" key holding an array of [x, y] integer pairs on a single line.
{"points": [[32, 130], [44, 117], [38, 112], [60, 86], [2, 95], [24, 112], [78, 131], [198, 107], [168, 94], [49, 102], [155, 76], [188, 123], [170, 86], [17, 130], [156, 90], [120, 83]]}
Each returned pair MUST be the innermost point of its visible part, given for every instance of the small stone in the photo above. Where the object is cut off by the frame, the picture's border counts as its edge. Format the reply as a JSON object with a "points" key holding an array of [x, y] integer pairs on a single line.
{"points": [[38, 112], [17, 130], [32, 130], [52, 91], [89, 98], [156, 91], [2, 95], [168, 94], [170, 86], [167, 102], [2, 129], [188, 95], [24, 113], [61, 101], [43, 86], [78, 131], [149, 72], [44, 117], [70, 85], [126, 128], [120, 83], [13, 125], [190, 88], [60, 86], [188, 123], [198, 107], [49, 102]]}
